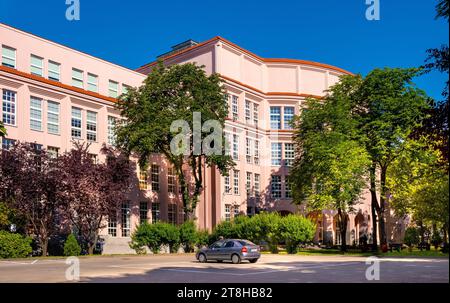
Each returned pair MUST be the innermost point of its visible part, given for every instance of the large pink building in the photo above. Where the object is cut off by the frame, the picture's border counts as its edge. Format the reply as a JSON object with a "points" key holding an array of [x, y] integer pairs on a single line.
{"points": [[53, 95]]}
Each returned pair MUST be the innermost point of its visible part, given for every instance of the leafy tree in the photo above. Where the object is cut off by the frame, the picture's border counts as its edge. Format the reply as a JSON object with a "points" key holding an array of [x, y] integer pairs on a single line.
{"points": [[30, 183], [71, 246], [188, 235], [411, 236], [2, 130], [266, 227], [331, 168], [171, 94], [92, 191], [294, 230]]}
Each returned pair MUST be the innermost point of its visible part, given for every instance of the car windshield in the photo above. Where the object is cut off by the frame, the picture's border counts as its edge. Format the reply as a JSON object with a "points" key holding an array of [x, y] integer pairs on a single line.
{"points": [[217, 244], [246, 243]]}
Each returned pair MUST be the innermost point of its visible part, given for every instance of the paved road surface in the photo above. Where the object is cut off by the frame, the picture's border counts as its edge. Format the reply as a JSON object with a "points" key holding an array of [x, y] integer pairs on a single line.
{"points": [[185, 269]]}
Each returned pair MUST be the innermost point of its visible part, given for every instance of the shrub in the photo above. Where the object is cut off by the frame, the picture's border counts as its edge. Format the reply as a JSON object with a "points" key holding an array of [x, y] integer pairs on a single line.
{"points": [[226, 229], [202, 238], [188, 235], [266, 227], [14, 245], [71, 247], [146, 235], [294, 229], [411, 236], [436, 239], [169, 235]]}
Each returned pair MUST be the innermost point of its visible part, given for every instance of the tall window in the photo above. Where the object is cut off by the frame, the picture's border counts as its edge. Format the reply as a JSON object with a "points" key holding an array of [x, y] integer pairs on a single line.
{"points": [[155, 212], [276, 154], [7, 143], [248, 184], [235, 107], [111, 130], [54, 71], [91, 126], [143, 179], [275, 186], [37, 66], [9, 107], [257, 187], [112, 226], [227, 184], [92, 83], [227, 144], [125, 88], [126, 215], [171, 180], [155, 177], [77, 78], [287, 188], [172, 213], [35, 113], [288, 116], [275, 117], [53, 152], [256, 152], [227, 212], [289, 154], [248, 116], [235, 147], [143, 211], [255, 114], [113, 89], [248, 150], [53, 117], [236, 211], [76, 123], [236, 182], [8, 56]]}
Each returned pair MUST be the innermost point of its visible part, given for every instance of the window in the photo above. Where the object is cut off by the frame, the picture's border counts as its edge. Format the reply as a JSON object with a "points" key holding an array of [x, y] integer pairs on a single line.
{"points": [[36, 113], [155, 177], [227, 212], [143, 179], [287, 188], [8, 56], [171, 180], [111, 131], [92, 83], [36, 147], [181, 215], [126, 224], [236, 182], [227, 184], [113, 89], [53, 152], [248, 184], [93, 157], [77, 78], [275, 187], [112, 226], [275, 117], [255, 114], [143, 212], [37, 66], [9, 107], [276, 153], [76, 123], [247, 111], [236, 211], [257, 187], [155, 212], [54, 71], [227, 144], [53, 117], [289, 154], [235, 147], [172, 214], [125, 88], [7, 143], [256, 152], [235, 107], [91, 126], [288, 116], [248, 150]]}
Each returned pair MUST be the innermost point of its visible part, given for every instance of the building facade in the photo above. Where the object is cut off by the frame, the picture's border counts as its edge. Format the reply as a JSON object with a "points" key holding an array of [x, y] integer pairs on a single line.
{"points": [[53, 95]]}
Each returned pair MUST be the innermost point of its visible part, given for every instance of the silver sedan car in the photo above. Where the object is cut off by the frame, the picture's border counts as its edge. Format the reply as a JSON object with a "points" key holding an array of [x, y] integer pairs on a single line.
{"points": [[234, 250]]}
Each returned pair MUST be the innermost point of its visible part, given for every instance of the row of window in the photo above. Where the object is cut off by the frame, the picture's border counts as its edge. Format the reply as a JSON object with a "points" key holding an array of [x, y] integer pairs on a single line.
{"points": [[143, 178], [251, 110], [275, 117], [54, 73], [276, 154], [227, 182], [276, 185]]}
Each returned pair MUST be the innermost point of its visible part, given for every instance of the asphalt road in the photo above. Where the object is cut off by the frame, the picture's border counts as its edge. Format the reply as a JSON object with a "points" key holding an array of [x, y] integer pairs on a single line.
{"points": [[185, 269]]}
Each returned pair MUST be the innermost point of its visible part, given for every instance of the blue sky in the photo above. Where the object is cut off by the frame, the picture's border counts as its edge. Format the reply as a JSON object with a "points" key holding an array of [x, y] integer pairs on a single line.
{"points": [[132, 33]]}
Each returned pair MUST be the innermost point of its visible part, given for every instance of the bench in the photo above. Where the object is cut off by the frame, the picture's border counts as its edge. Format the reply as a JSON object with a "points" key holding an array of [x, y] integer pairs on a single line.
{"points": [[396, 246]]}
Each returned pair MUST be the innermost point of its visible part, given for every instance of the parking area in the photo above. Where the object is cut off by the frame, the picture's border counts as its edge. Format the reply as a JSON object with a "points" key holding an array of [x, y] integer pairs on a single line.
{"points": [[185, 269]]}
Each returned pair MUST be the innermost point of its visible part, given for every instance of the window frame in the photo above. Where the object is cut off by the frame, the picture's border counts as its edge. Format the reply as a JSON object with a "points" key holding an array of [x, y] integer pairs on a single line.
{"points": [[50, 112], [37, 110], [32, 65], [8, 57]]}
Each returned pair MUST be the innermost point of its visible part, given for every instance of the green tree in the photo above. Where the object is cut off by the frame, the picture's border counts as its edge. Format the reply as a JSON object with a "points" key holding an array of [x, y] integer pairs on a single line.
{"points": [[294, 230], [14, 245], [2, 130], [71, 246], [188, 235], [171, 94]]}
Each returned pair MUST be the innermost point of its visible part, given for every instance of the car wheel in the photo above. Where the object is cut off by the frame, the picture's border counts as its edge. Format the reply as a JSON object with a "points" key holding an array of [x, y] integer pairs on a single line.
{"points": [[202, 258], [253, 260], [235, 259]]}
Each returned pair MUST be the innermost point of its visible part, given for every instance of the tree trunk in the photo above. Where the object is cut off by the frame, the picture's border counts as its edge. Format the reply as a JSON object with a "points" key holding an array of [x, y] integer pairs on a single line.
{"points": [[374, 207], [44, 246], [381, 221], [343, 229]]}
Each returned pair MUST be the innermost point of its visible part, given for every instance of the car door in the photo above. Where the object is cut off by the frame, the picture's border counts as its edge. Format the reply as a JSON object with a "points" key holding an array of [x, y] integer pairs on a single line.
{"points": [[215, 250], [227, 250]]}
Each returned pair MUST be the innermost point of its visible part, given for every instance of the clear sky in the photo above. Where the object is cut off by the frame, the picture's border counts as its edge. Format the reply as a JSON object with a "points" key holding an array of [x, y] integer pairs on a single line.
{"points": [[132, 33]]}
